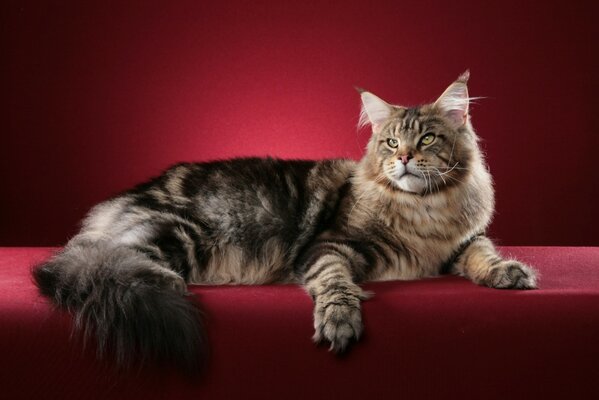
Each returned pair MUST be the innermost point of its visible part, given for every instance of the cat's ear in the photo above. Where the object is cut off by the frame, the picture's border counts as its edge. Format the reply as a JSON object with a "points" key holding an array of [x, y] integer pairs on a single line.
{"points": [[454, 101], [375, 111]]}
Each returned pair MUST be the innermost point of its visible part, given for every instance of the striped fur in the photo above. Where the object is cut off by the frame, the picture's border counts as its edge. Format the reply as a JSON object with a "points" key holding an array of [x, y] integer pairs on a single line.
{"points": [[413, 207]]}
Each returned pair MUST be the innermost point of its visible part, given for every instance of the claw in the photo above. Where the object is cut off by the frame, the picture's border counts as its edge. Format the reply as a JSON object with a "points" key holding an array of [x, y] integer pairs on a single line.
{"points": [[337, 324]]}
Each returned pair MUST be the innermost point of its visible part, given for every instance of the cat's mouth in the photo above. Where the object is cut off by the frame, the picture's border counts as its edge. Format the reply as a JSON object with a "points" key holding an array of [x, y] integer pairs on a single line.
{"points": [[404, 174], [408, 182]]}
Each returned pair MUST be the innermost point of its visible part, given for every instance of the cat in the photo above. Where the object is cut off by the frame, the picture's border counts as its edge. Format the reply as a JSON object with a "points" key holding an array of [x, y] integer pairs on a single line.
{"points": [[416, 205]]}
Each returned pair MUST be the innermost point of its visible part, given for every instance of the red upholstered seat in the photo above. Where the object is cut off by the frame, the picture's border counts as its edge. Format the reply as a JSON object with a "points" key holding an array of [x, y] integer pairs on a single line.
{"points": [[436, 338]]}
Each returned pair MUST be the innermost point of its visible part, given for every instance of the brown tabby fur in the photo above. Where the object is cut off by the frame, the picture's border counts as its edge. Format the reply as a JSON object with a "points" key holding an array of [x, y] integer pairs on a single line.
{"points": [[413, 207]]}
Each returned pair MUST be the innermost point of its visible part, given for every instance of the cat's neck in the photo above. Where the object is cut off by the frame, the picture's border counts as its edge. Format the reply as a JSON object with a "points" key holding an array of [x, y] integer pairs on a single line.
{"points": [[457, 210]]}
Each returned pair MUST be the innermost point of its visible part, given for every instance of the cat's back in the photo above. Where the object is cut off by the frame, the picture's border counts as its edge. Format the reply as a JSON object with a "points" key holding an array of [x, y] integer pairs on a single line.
{"points": [[257, 212], [266, 171], [243, 179]]}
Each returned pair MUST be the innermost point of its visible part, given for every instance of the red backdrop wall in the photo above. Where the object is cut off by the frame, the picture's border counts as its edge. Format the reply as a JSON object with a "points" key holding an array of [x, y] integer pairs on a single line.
{"points": [[100, 95]]}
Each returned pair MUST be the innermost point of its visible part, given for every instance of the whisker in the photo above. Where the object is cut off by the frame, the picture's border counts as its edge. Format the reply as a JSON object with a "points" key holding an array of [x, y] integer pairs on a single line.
{"points": [[432, 181], [440, 175], [448, 170], [451, 169], [429, 187], [460, 168], [455, 179], [437, 185], [429, 182], [425, 180]]}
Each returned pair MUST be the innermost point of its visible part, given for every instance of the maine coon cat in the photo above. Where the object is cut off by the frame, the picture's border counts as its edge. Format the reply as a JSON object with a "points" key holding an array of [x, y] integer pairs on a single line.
{"points": [[416, 205]]}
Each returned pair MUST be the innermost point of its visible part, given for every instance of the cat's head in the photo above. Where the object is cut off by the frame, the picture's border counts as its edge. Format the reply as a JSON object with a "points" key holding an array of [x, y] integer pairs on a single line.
{"points": [[422, 149]]}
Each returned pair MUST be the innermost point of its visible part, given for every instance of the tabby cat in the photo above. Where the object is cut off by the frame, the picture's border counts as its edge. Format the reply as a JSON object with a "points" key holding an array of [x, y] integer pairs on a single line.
{"points": [[415, 206]]}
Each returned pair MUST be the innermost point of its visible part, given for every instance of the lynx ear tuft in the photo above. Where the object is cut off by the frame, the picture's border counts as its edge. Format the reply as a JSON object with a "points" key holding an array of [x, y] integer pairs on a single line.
{"points": [[375, 111], [454, 101], [464, 77]]}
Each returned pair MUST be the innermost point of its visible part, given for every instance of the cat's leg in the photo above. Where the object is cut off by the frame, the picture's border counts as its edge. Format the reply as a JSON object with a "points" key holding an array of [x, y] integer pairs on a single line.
{"points": [[328, 279], [172, 243], [481, 263]]}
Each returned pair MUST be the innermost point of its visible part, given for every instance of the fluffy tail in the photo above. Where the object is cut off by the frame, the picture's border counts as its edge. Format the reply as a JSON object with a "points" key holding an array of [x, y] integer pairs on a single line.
{"points": [[135, 308]]}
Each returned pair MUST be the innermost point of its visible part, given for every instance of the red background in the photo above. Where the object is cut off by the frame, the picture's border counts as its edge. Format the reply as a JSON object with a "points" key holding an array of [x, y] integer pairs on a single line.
{"points": [[97, 97]]}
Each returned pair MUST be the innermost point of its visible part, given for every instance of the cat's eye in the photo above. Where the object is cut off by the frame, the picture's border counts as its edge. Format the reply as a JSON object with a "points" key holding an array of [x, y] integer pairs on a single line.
{"points": [[392, 142], [427, 139]]}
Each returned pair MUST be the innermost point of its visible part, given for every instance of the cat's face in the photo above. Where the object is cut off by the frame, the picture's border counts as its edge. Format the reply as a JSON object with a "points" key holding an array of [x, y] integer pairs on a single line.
{"points": [[420, 150]]}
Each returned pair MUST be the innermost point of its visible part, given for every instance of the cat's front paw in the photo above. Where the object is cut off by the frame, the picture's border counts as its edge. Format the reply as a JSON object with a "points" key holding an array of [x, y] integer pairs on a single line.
{"points": [[338, 323], [511, 274]]}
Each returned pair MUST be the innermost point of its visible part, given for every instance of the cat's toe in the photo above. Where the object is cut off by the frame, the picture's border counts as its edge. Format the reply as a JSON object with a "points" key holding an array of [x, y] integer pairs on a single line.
{"points": [[338, 324], [511, 274]]}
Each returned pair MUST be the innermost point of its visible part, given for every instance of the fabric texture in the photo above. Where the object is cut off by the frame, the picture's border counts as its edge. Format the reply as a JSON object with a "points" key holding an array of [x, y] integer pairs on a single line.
{"points": [[430, 339]]}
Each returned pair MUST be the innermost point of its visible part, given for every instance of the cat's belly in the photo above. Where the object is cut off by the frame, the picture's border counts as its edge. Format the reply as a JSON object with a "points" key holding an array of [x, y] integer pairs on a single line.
{"points": [[406, 274], [230, 264]]}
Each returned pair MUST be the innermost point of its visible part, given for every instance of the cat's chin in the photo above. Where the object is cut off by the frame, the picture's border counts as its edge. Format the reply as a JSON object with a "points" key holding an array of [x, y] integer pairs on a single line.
{"points": [[410, 183]]}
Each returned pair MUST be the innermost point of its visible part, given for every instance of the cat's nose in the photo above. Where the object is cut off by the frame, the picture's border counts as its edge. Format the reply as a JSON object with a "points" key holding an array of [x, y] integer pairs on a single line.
{"points": [[405, 158]]}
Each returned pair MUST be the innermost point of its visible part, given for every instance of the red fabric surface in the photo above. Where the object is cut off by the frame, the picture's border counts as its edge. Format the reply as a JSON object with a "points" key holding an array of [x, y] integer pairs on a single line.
{"points": [[99, 95], [429, 339]]}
